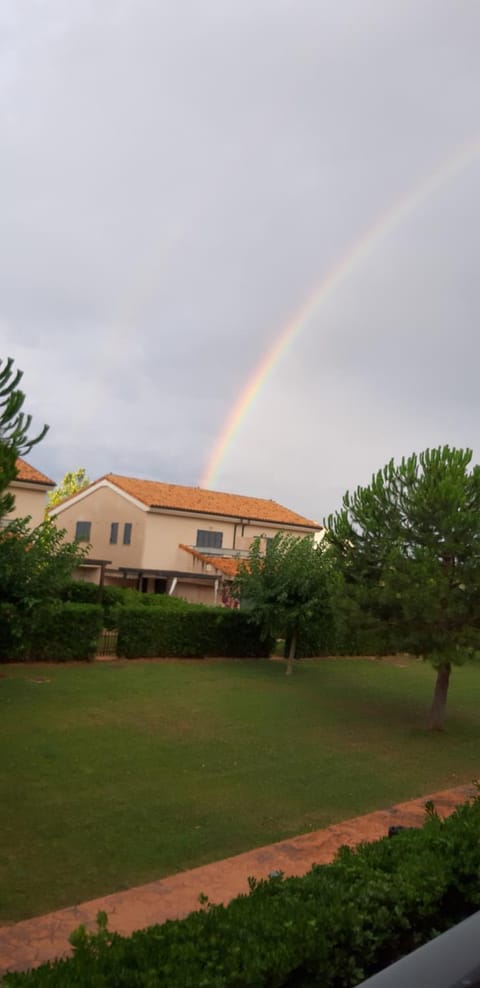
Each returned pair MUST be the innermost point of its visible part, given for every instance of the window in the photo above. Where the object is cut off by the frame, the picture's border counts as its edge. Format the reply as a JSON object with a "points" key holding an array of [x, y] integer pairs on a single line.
{"points": [[209, 540], [82, 531], [127, 533], [114, 533]]}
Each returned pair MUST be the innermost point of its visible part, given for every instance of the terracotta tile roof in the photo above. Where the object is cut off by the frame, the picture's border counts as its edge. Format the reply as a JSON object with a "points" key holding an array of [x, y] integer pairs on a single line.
{"points": [[28, 473], [174, 496], [228, 565]]}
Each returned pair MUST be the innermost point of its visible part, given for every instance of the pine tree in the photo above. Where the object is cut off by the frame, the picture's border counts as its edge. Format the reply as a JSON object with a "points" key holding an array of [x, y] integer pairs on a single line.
{"points": [[14, 427], [408, 548]]}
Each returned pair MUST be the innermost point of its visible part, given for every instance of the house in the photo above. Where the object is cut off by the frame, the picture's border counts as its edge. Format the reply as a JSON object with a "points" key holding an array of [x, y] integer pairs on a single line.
{"points": [[30, 489], [166, 538]]}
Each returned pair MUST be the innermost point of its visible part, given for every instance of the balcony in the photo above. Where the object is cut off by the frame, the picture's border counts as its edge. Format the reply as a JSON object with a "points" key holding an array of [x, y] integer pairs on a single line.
{"points": [[207, 551]]}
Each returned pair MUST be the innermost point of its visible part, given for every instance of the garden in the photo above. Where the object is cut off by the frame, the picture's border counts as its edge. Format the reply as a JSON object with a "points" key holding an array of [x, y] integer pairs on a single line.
{"points": [[119, 772]]}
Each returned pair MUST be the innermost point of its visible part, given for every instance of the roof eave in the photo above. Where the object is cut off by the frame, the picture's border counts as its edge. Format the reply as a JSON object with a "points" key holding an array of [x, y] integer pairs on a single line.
{"points": [[33, 483], [246, 519]]}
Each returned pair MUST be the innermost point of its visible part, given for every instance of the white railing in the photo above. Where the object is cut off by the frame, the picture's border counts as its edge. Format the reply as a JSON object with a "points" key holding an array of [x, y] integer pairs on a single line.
{"points": [[210, 551]]}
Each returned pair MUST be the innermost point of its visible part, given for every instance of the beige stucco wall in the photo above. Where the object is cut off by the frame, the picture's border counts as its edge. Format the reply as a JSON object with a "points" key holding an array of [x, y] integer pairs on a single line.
{"points": [[196, 593], [28, 501], [165, 532], [90, 574], [101, 507], [156, 536], [118, 580]]}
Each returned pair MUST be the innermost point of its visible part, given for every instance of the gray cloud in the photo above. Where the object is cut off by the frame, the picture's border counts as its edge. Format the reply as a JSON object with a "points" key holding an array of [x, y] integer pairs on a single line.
{"points": [[175, 180]]}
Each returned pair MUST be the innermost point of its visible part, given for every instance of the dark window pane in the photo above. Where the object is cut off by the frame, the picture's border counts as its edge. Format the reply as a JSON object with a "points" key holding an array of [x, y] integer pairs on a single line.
{"points": [[209, 540], [127, 533], [82, 531], [114, 533]]}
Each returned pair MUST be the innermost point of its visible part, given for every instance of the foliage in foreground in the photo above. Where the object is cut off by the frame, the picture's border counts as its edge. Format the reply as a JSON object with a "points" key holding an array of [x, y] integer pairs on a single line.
{"points": [[408, 549], [333, 927]]}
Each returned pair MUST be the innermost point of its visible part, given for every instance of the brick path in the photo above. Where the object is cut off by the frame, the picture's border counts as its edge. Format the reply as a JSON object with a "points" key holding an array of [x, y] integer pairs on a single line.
{"points": [[33, 941]]}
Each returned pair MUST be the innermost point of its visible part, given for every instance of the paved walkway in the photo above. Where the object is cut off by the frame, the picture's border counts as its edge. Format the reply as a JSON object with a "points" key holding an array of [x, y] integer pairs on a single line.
{"points": [[34, 941]]}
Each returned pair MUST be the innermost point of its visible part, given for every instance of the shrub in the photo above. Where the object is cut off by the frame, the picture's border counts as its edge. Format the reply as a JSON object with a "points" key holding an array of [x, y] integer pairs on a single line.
{"points": [[111, 599], [35, 564], [62, 632], [318, 637], [11, 632], [333, 927], [114, 598], [328, 635], [135, 598], [191, 631], [81, 592], [50, 632]]}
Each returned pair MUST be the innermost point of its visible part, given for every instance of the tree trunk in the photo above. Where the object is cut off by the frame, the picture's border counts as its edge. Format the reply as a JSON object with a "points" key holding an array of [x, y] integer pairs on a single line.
{"points": [[439, 703], [291, 655]]}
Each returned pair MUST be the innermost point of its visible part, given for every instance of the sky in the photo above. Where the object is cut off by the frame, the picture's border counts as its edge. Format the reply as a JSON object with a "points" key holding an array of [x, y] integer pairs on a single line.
{"points": [[178, 177]]}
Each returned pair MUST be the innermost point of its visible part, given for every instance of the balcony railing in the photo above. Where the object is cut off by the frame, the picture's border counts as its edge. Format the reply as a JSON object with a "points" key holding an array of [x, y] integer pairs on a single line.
{"points": [[208, 551]]}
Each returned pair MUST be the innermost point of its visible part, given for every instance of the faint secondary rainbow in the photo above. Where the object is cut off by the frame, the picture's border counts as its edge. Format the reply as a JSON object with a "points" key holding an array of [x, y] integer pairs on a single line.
{"points": [[383, 225]]}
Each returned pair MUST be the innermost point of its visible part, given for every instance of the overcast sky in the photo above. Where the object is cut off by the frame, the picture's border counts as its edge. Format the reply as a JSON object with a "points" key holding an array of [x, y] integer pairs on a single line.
{"points": [[177, 177]]}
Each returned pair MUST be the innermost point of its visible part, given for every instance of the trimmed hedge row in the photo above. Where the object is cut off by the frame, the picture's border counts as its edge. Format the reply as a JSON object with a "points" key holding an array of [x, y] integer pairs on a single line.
{"points": [[338, 924], [327, 633], [327, 639], [62, 632], [331, 634], [113, 599], [193, 631], [52, 632]]}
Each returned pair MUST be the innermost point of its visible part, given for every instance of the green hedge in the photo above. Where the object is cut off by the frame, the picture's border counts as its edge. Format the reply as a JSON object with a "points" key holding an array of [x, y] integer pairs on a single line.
{"points": [[193, 631], [11, 633], [81, 592], [120, 598], [330, 635], [327, 633], [136, 598], [51, 632], [332, 928], [62, 632], [112, 599]]}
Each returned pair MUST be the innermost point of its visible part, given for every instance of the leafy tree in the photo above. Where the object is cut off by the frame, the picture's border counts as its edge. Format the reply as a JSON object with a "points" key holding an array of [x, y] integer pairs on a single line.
{"points": [[35, 564], [72, 483], [35, 567], [14, 427], [408, 549], [284, 588]]}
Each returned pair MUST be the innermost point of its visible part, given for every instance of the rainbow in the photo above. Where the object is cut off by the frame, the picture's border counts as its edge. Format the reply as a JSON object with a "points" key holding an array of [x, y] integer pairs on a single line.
{"points": [[385, 223]]}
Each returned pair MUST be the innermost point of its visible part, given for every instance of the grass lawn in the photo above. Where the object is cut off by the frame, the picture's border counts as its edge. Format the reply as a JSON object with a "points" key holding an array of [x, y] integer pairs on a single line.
{"points": [[117, 773]]}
